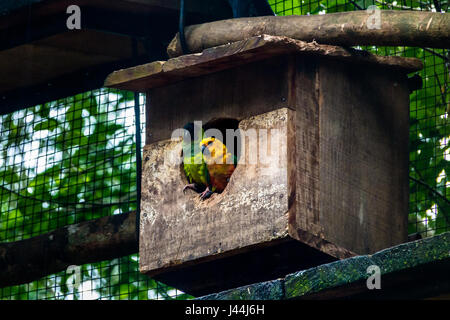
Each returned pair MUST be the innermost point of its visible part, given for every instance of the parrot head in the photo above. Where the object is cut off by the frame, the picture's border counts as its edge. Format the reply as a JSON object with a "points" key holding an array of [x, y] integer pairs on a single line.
{"points": [[207, 146], [213, 150]]}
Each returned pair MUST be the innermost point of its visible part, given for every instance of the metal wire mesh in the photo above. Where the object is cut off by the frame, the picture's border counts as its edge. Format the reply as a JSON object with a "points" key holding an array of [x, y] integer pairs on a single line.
{"points": [[58, 161], [72, 160], [65, 162]]}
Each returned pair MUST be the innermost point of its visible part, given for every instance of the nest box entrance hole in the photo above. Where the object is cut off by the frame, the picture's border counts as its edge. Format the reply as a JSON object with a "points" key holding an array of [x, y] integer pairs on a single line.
{"points": [[217, 128], [222, 124]]}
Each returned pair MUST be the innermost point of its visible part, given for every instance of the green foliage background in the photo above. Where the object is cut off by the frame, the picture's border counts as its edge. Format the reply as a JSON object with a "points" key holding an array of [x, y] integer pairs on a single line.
{"points": [[68, 161], [73, 160]]}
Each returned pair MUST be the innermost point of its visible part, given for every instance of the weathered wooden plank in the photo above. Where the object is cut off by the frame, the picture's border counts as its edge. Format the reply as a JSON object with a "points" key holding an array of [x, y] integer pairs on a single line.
{"points": [[305, 101], [363, 156], [178, 229], [234, 93], [243, 52], [194, 65]]}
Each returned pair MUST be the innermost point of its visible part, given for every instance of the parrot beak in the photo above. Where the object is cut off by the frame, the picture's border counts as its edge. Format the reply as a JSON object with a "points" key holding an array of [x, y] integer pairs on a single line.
{"points": [[203, 148]]}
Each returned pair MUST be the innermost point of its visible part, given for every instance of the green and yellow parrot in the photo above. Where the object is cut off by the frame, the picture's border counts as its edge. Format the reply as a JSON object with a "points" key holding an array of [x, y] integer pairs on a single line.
{"points": [[193, 163], [220, 165]]}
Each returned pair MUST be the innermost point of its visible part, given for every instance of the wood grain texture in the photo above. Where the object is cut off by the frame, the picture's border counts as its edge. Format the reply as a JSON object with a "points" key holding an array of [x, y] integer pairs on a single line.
{"points": [[231, 55], [307, 160], [234, 93], [364, 134], [351, 158]]}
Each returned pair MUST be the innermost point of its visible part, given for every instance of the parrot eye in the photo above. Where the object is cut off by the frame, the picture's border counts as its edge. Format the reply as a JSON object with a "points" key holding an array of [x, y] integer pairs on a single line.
{"points": [[210, 142]]}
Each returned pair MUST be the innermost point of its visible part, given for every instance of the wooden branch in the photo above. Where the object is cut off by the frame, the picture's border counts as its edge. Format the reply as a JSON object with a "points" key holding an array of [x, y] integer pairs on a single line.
{"points": [[398, 28], [86, 242]]}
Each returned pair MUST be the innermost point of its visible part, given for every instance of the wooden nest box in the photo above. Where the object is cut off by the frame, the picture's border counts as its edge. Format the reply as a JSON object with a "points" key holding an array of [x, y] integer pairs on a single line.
{"points": [[336, 184]]}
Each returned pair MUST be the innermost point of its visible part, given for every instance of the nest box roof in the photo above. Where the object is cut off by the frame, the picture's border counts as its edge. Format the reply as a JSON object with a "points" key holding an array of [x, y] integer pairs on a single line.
{"points": [[161, 73]]}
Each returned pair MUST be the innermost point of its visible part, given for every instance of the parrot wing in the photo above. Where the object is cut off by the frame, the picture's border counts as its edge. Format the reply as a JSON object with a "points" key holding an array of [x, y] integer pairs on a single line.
{"points": [[196, 170]]}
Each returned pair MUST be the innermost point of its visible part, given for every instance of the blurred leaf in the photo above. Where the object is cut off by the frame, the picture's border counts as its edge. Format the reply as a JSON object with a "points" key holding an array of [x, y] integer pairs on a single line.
{"points": [[49, 124]]}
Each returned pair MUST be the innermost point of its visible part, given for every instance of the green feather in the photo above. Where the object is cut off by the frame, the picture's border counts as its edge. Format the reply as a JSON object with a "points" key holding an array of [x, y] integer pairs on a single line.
{"points": [[193, 164]]}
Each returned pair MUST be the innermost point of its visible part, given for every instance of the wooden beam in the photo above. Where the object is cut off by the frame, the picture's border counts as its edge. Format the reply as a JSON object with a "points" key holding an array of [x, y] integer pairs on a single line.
{"points": [[86, 242], [398, 28], [411, 270], [414, 270]]}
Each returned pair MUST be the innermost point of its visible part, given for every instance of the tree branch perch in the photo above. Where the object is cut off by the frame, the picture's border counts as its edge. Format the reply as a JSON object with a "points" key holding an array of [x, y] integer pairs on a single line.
{"points": [[398, 28]]}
